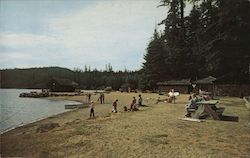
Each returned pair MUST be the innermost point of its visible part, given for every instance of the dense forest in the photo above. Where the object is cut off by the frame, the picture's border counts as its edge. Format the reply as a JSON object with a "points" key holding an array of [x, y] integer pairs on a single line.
{"points": [[213, 39], [87, 79]]}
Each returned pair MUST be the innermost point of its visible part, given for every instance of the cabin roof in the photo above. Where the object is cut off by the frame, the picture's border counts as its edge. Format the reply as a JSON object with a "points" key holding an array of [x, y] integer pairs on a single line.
{"points": [[64, 82], [206, 80], [183, 82]]}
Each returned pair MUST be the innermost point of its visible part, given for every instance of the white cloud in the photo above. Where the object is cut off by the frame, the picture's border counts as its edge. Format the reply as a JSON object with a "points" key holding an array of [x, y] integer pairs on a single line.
{"points": [[110, 31], [25, 39]]}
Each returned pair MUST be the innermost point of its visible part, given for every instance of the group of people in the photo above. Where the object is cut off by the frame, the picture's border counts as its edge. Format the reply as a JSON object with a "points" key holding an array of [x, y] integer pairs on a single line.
{"points": [[133, 106], [192, 103], [101, 98], [171, 96]]}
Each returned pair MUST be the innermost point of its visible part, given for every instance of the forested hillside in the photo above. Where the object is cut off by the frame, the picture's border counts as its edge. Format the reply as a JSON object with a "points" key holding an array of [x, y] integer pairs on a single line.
{"points": [[87, 79]]}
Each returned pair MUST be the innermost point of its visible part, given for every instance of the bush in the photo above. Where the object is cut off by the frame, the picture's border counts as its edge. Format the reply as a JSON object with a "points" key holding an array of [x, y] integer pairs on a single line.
{"points": [[109, 89]]}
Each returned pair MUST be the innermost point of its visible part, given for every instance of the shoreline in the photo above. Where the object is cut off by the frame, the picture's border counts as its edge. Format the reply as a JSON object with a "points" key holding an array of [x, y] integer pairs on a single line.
{"points": [[34, 122], [40, 119]]}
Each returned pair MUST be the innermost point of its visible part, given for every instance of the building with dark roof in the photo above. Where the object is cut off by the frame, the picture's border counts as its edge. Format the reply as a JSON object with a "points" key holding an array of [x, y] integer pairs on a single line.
{"points": [[206, 81], [62, 85], [182, 86], [205, 84]]}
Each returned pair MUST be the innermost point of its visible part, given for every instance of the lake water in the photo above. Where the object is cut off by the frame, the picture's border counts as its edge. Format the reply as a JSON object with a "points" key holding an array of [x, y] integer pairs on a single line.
{"points": [[16, 111]]}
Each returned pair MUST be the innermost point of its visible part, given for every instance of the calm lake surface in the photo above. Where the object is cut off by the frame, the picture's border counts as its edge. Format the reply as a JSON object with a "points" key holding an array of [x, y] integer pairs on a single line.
{"points": [[15, 111]]}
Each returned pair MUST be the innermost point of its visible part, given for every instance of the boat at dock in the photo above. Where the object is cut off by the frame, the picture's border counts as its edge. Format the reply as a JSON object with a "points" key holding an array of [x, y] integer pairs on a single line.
{"points": [[75, 106]]}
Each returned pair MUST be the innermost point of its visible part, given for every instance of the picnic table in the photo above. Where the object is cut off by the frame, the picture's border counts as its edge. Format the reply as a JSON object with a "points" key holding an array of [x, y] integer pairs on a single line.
{"points": [[210, 107], [206, 108], [208, 102]]}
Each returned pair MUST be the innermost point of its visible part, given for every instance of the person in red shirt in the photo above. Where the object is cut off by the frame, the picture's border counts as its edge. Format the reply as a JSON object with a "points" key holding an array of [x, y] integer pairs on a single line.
{"points": [[133, 104]]}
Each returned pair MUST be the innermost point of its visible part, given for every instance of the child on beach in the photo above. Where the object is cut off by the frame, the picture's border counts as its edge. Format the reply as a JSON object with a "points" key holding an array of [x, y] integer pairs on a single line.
{"points": [[115, 106], [92, 111], [140, 100], [133, 104]]}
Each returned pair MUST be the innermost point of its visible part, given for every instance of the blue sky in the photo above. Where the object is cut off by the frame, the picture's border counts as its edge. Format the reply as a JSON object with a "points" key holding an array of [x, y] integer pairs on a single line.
{"points": [[75, 33]]}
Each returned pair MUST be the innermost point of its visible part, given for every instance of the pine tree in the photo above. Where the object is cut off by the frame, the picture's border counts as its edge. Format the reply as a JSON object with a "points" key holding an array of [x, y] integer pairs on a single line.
{"points": [[154, 67]]}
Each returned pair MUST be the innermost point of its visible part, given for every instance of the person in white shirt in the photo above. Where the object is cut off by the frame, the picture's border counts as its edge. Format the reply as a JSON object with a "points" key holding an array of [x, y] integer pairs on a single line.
{"points": [[171, 96]]}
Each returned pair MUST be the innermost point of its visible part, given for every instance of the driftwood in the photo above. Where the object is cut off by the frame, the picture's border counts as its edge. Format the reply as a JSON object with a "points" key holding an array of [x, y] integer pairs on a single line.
{"points": [[191, 119], [46, 127]]}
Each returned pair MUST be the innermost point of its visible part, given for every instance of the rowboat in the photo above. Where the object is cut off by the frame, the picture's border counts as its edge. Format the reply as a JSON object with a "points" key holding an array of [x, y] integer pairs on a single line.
{"points": [[74, 106]]}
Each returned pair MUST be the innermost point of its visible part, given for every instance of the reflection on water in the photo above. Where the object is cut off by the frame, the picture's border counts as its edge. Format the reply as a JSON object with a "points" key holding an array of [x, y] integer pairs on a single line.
{"points": [[15, 111]]}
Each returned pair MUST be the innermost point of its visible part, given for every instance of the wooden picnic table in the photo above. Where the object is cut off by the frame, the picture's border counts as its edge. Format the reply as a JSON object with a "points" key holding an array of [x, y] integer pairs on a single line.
{"points": [[210, 106], [208, 102]]}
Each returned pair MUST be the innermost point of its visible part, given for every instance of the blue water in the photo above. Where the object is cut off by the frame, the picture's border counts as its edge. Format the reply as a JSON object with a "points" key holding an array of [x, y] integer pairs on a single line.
{"points": [[16, 111]]}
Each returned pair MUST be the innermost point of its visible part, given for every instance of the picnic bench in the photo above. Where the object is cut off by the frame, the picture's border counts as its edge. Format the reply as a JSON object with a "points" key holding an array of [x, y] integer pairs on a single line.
{"points": [[212, 104], [208, 102]]}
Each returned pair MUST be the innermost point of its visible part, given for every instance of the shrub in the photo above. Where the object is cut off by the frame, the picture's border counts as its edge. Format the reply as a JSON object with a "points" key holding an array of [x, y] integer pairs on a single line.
{"points": [[109, 89]]}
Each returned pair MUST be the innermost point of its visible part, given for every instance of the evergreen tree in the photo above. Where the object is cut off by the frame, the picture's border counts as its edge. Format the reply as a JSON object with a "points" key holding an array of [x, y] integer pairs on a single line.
{"points": [[176, 51], [154, 66], [212, 40]]}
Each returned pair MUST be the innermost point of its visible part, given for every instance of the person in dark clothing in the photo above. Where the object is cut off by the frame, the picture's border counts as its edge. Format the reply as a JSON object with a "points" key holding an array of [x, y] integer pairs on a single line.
{"points": [[140, 100], [100, 98], [92, 110], [89, 97], [115, 106], [103, 98]]}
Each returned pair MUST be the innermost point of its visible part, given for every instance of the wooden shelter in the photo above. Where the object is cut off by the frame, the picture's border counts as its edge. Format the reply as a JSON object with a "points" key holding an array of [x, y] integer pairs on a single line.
{"points": [[206, 84], [182, 86], [227, 86], [62, 85]]}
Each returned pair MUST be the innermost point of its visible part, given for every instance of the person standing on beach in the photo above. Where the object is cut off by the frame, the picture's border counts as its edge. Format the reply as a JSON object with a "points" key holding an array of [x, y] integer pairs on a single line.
{"points": [[103, 98], [89, 97], [115, 106], [92, 110], [100, 98]]}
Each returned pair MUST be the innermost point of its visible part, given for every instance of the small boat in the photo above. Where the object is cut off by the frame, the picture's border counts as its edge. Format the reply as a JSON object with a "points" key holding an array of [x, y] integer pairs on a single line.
{"points": [[74, 106]]}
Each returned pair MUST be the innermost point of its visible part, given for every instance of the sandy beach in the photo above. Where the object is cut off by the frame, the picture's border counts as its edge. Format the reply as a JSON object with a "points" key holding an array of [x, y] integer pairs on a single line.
{"points": [[153, 131]]}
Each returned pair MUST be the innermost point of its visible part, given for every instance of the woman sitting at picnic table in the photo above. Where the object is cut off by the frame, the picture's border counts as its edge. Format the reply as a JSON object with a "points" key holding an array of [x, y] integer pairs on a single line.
{"points": [[191, 105]]}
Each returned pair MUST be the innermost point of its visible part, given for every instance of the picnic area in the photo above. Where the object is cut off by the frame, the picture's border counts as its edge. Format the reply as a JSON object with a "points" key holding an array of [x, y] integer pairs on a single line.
{"points": [[155, 130]]}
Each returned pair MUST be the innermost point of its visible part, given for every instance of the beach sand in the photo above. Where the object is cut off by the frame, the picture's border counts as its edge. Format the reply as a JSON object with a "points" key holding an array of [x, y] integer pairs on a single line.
{"points": [[153, 131]]}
